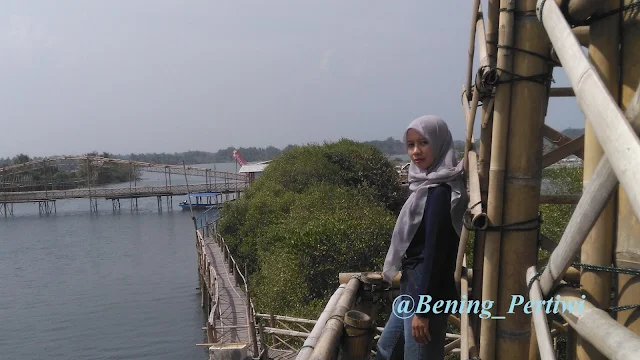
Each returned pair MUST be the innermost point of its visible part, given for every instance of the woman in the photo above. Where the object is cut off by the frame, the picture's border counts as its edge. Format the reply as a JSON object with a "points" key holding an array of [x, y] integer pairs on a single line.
{"points": [[425, 242]]}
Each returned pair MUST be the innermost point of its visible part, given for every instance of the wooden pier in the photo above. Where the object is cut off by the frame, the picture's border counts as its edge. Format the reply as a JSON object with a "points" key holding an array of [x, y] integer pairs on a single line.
{"points": [[119, 192], [232, 324]]}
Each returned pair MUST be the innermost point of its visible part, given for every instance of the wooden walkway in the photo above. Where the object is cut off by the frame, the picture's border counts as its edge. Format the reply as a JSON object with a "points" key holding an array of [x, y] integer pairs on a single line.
{"points": [[232, 326], [224, 298], [119, 192]]}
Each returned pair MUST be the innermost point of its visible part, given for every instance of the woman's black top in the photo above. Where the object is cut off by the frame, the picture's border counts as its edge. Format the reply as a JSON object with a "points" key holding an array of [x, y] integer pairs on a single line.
{"points": [[436, 245]]}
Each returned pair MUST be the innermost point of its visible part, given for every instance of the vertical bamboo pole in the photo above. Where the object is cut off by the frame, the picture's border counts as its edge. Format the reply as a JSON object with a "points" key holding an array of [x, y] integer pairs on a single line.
{"points": [[522, 184], [472, 41], [627, 252], [487, 53], [598, 247], [358, 328], [496, 178]]}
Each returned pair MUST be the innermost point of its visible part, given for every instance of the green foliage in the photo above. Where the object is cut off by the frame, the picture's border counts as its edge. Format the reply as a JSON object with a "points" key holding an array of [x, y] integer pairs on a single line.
{"points": [[555, 217], [317, 210]]}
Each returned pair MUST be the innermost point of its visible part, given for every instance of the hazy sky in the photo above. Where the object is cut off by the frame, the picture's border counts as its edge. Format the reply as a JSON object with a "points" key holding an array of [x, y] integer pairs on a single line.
{"points": [[174, 75]]}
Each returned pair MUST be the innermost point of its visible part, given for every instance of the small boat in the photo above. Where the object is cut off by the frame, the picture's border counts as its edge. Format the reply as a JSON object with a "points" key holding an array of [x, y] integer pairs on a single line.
{"points": [[202, 201]]}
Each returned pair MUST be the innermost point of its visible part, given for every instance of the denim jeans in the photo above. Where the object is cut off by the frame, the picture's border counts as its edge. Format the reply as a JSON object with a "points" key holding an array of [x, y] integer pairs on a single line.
{"points": [[397, 342]]}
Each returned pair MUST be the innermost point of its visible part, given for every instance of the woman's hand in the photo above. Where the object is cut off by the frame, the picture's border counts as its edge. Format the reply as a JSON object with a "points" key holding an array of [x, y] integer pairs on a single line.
{"points": [[420, 329]]}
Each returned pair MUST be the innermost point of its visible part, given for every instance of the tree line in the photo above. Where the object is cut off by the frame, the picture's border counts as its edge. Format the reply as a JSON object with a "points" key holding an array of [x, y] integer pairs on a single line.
{"points": [[390, 146]]}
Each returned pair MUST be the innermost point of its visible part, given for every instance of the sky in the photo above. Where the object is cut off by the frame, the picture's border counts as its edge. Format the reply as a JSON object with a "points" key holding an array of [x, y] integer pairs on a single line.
{"points": [[137, 76]]}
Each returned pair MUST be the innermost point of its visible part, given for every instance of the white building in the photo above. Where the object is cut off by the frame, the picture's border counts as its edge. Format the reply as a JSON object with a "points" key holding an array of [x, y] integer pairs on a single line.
{"points": [[254, 170]]}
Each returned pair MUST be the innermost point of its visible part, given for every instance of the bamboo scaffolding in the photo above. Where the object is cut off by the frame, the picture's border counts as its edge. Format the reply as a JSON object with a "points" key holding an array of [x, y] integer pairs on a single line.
{"points": [[609, 123], [596, 326], [627, 250], [543, 335], [594, 198], [501, 114]]}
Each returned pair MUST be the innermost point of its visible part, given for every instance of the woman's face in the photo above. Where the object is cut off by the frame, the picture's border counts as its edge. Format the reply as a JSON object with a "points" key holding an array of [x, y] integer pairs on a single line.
{"points": [[419, 150]]}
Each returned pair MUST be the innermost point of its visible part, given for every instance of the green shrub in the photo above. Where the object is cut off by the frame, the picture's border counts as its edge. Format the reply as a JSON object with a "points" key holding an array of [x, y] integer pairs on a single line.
{"points": [[316, 211]]}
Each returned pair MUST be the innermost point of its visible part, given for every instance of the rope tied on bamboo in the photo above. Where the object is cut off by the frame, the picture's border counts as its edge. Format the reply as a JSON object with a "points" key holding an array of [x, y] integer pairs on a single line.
{"points": [[528, 52], [518, 226], [596, 17], [612, 269]]}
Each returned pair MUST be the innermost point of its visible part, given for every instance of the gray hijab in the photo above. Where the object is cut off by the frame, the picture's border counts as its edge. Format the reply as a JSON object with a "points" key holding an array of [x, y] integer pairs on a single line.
{"points": [[445, 169]]}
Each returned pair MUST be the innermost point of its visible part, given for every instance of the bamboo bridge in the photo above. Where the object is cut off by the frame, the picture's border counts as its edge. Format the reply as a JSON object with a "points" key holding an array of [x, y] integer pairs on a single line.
{"points": [[515, 51], [85, 177]]}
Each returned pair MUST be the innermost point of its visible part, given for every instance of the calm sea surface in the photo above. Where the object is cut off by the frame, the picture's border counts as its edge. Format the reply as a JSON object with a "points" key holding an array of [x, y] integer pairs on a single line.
{"points": [[111, 285]]}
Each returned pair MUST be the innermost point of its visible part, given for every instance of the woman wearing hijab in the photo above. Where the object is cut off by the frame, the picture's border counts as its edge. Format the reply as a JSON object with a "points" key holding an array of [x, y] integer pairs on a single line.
{"points": [[424, 242]]}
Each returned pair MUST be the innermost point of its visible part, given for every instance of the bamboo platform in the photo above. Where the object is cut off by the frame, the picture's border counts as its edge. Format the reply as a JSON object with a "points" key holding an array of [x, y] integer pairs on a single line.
{"points": [[119, 193]]}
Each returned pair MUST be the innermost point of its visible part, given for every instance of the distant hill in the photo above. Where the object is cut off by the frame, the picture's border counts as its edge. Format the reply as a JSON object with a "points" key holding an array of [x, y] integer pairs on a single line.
{"points": [[572, 133]]}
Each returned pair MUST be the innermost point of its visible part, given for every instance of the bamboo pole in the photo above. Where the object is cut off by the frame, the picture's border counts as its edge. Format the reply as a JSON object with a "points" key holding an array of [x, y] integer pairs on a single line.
{"points": [[597, 249], [560, 199], [478, 217], [523, 178], [627, 251], [487, 54], [472, 42], [466, 336], [610, 125], [582, 35], [558, 138], [580, 10], [543, 335], [327, 345], [502, 108], [613, 340], [563, 151], [562, 92], [310, 342], [358, 328]]}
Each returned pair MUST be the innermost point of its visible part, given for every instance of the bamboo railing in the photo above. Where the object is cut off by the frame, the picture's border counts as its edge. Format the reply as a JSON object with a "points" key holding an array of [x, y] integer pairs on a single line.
{"points": [[210, 279]]}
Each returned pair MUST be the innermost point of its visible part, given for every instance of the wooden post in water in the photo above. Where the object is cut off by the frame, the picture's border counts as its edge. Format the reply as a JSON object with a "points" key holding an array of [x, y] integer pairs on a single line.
{"points": [[523, 177], [627, 251], [598, 247], [493, 239]]}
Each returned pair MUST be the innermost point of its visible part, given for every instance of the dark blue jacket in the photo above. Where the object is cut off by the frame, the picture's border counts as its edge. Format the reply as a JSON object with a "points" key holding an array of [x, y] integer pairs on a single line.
{"points": [[435, 244]]}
